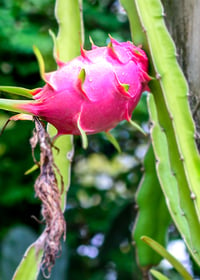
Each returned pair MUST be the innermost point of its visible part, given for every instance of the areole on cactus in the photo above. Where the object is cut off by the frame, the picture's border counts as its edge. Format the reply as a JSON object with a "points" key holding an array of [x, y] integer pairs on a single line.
{"points": [[89, 94]]}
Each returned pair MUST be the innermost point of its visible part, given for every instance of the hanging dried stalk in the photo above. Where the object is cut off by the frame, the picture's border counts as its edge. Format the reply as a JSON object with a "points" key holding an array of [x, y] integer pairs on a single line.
{"points": [[47, 191]]}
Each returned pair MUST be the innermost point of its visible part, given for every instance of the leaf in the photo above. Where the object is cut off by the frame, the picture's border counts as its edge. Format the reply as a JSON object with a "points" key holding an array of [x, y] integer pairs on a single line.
{"points": [[158, 275], [165, 254]]}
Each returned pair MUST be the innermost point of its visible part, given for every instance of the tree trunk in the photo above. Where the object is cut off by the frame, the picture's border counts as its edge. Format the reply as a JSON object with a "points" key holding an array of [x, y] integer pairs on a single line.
{"points": [[183, 21]]}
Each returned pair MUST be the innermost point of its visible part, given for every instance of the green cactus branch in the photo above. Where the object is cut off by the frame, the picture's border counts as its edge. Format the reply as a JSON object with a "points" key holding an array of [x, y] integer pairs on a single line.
{"points": [[176, 124], [178, 198], [175, 89], [66, 46], [70, 37], [172, 130], [175, 95], [149, 195], [70, 34], [151, 207]]}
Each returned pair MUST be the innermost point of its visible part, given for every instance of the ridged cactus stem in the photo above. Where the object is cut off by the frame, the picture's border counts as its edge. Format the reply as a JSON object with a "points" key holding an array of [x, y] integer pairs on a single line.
{"points": [[68, 15], [67, 46], [172, 127]]}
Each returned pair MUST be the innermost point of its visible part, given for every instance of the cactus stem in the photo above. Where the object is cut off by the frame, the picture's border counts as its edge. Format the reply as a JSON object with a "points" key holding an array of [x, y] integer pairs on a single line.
{"points": [[144, 29]]}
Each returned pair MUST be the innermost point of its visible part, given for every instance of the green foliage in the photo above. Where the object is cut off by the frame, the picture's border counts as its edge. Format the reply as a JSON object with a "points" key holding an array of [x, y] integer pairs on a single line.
{"points": [[102, 18], [96, 208], [15, 187], [24, 24], [100, 210]]}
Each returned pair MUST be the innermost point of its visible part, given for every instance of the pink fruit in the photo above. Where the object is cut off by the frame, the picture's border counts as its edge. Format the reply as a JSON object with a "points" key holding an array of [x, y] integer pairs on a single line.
{"points": [[94, 91]]}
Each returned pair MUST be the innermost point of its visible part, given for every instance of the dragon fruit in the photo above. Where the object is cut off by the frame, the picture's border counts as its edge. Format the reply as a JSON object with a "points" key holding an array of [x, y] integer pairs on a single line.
{"points": [[93, 92]]}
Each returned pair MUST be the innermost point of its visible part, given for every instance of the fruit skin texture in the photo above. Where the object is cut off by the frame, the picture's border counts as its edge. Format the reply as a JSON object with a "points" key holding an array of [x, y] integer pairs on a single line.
{"points": [[94, 91]]}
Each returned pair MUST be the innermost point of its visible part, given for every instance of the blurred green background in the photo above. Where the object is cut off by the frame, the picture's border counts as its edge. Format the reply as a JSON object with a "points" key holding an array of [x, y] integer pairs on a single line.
{"points": [[101, 209]]}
